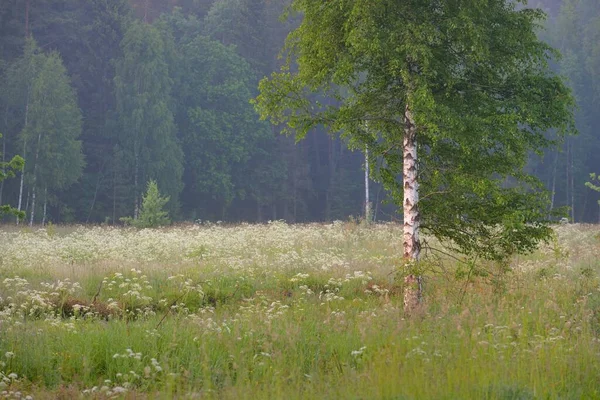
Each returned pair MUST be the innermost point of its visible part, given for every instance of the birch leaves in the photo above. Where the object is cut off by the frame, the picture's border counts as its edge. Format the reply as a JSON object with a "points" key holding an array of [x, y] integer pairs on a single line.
{"points": [[469, 82]]}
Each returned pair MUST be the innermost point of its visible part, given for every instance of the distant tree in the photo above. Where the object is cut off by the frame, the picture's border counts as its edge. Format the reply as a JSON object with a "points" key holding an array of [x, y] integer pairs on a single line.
{"points": [[54, 126], [152, 212], [17, 97], [7, 170], [239, 23], [90, 48], [222, 130], [144, 105], [575, 31], [468, 81], [38, 90], [219, 129]]}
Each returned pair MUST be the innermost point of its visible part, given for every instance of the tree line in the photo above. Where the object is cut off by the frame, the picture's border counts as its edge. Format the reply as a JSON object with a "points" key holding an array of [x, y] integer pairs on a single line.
{"points": [[102, 96]]}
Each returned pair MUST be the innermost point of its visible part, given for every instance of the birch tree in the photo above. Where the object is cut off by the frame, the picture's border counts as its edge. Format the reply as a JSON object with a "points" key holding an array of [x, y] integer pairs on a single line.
{"points": [[459, 92], [144, 105], [56, 158]]}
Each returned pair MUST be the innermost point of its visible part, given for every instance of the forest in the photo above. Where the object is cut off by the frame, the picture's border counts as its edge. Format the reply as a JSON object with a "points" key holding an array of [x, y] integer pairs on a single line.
{"points": [[101, 96]]}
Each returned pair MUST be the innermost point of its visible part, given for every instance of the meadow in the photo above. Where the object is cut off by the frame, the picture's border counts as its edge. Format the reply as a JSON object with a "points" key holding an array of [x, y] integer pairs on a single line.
{"points": [[291, 311]]}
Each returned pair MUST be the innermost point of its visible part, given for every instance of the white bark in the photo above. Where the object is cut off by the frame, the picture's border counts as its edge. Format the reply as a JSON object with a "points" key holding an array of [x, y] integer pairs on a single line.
{"points": [[136, 205], [368, 208], [24, 150], [368, 213], [45, 206], [32, 205], [412, 244], [4, 151], [554, 182], [35, 167], [572, 186], [568, 186]]}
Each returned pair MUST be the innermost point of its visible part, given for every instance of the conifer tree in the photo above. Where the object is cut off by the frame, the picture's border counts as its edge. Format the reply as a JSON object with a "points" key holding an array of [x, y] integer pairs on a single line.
{"points": [[152, 212]]}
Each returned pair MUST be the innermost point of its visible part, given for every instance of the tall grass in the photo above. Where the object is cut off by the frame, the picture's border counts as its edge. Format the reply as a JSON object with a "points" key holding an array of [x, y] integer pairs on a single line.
{"points": [[289, 311]]}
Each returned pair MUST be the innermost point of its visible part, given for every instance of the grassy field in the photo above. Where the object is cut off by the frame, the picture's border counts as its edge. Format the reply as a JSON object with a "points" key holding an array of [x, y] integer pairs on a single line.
{"points": [[290, 312]]}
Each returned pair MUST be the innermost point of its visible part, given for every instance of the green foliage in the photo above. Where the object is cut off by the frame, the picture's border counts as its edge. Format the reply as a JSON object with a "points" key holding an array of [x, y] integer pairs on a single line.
{"points": [[54, 126], [7, 170], [594, 183], [39, 90], [147, 136], [152, 212], [478, 81], [220, 131]]}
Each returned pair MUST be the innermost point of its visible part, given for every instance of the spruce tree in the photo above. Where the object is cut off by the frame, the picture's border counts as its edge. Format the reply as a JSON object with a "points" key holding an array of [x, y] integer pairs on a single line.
{"points": [[152, 213]]}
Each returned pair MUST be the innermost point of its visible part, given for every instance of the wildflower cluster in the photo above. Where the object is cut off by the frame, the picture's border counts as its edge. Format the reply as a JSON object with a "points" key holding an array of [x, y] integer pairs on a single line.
{"points": [[128, 293]]}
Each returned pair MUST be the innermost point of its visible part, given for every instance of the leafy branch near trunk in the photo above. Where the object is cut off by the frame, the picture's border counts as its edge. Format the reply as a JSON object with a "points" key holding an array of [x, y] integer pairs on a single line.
{"points": [[469, 83]]}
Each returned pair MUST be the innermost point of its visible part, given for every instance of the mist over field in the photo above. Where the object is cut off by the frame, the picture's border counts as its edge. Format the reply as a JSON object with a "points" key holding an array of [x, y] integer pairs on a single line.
{"points": [[192, 128], [299, 199]]}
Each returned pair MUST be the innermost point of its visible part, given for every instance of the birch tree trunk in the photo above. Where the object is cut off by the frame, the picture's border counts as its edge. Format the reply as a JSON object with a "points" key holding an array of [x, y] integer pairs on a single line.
{"points": [[24, 150], [35, 166], [554, 181], [28, 197], [567, 186], [45, 205], [32, 204], [114, 205], [368, 217], [3, 158], [412, 244], [572, 184], [135, 188]]}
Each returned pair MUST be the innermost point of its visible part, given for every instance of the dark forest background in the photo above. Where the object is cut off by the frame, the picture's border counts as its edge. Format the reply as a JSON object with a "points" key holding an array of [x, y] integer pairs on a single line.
{"points": [[100, 96]]}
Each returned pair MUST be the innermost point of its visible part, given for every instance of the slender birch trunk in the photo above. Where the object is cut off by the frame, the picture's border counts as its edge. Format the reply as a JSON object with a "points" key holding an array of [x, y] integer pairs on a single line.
{"points": [[572, 185], [28, 197], [32, 205], [331, 169], [367, 200], [3, 154], [554, 182], [35, 166], [567, 186], [45, 205], [135, 188], [100, 175], [295, 185], [24, 151], [412, 244], [114, 210]]}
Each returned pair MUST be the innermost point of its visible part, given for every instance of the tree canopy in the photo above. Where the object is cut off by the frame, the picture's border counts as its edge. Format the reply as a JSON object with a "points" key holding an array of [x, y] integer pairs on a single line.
{"points": [[477, 80]]}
